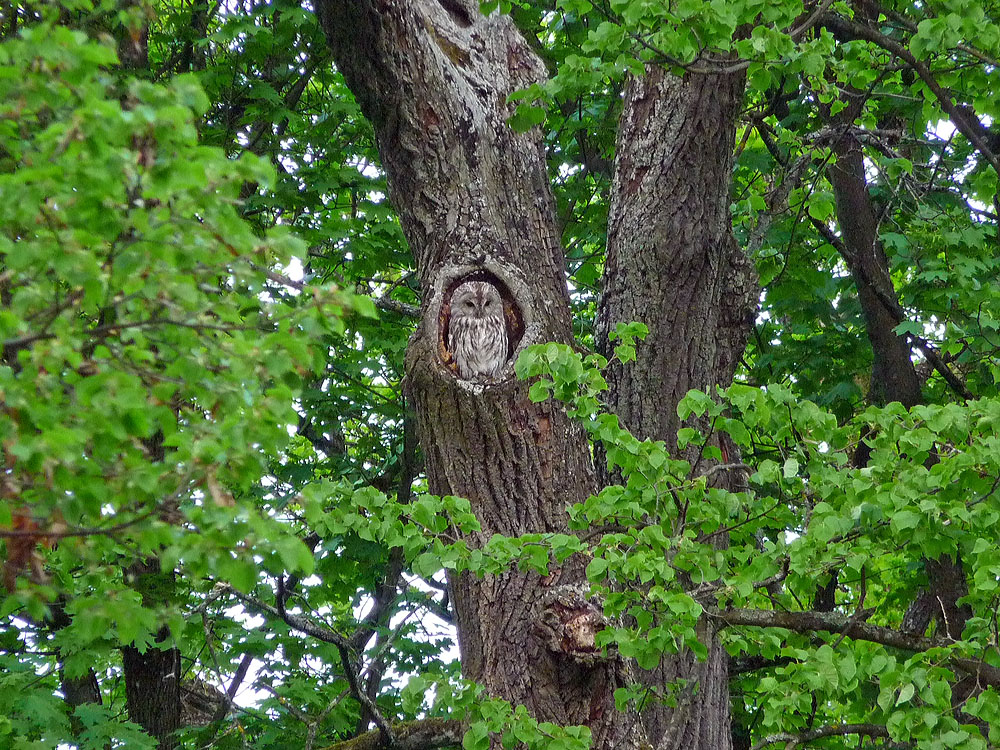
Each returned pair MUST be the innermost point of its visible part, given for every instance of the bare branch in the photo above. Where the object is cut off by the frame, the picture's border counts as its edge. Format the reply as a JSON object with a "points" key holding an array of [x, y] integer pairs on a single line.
{"points": [[957, 384], [387, 736], [344, 646], [302, 624]]}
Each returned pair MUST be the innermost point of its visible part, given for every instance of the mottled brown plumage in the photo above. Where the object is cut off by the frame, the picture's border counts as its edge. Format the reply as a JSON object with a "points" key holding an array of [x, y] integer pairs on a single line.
{"points": [[477, 330]]}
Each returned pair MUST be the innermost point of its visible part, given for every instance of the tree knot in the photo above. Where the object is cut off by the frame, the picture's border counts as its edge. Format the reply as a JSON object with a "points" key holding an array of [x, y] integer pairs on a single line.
{"points": [[568, 622]]}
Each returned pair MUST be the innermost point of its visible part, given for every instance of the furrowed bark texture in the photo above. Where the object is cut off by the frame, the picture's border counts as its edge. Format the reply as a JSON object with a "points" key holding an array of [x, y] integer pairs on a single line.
{"points": [[474, 199], [674, 265], [672, 260]]}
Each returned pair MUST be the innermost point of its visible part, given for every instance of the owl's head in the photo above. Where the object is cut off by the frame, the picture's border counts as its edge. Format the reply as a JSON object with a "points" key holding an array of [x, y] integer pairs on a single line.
{"points": [[476, 299]]}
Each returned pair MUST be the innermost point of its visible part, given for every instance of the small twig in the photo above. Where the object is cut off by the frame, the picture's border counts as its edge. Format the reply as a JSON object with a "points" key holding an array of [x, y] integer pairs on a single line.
{"points": [[96, 531], [228, 704], [320, 718], [860, 614], [302, 624], [278, 278], [91, 531], [388, 738], [322, 633], [811, 20]]}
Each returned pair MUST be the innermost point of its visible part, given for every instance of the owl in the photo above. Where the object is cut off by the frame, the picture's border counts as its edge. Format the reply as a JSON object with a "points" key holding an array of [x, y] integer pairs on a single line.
{"points": [[477, 330]]}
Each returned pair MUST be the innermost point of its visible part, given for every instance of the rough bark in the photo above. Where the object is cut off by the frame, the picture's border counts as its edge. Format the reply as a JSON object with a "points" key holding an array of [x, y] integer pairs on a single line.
{"points": [[474, 200], [152, 690], [674, 265], [672, 260]]}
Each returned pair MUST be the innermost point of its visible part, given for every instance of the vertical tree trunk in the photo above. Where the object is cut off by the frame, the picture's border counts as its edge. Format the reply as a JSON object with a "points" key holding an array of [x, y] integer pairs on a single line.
{"points": [[152, 675], [474, 199], [78, 690], [672, 262], [674, 265], [894, 378]]}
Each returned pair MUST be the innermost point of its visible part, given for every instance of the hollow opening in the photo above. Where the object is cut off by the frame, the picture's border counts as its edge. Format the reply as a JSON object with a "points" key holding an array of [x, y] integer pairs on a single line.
{"points": [[511, 312]]}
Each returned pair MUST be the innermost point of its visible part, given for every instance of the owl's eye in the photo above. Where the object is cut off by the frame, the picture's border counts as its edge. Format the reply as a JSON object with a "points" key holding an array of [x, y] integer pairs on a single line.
{"points": [[469, 303]]}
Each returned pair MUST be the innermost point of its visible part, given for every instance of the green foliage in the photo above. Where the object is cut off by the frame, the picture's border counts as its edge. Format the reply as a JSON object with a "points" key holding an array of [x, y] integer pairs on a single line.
{"points": [[927, 492], [148, 374], [165, 392]]}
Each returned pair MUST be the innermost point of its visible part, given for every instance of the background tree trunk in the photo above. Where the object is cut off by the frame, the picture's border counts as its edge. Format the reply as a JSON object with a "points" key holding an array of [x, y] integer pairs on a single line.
{"points": [[893, 378], [153, 675]]}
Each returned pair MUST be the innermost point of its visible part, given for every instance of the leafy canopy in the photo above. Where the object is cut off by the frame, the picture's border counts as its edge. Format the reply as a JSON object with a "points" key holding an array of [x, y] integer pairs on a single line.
{"points": [[169, 392]]}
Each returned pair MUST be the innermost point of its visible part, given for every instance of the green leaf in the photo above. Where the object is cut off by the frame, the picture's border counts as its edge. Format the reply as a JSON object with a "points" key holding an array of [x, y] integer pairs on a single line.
{"points": [[596, 569], [476, 737], [905, 694], [540, 390]]}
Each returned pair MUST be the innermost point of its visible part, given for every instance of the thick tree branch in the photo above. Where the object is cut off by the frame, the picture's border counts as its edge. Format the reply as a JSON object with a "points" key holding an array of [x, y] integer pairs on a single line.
{"points": [[840, 730], [424, 734], [966, 122], [835, 622], [387, 736], [933, 355], [911, 26], [402, 308], [893, 376]]}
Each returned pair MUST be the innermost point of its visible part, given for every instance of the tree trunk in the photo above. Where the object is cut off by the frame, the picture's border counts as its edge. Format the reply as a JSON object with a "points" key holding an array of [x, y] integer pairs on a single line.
{"points": [[894, 378], [674, 265], [672, 262], [152, 675], [474, 201], [78, 690]]}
